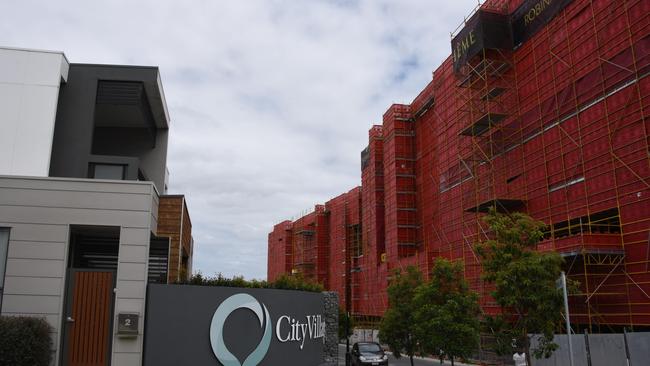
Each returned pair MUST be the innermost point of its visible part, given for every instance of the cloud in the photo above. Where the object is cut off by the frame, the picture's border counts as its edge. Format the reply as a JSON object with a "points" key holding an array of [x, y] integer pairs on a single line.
{"points": [[270, 100]]}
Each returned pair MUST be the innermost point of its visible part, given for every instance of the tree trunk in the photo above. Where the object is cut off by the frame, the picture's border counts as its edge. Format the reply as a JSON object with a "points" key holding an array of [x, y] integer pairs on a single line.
{"points": [[411, 357], [452, 360], [527, 347]]}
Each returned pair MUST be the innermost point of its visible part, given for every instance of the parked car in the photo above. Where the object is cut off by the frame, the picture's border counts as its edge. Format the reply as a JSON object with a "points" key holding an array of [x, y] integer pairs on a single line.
{"points": [[368, 353]]}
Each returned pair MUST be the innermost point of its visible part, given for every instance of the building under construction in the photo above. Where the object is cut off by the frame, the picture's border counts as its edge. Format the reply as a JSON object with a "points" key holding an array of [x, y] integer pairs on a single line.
{"points": [[542, 107]]}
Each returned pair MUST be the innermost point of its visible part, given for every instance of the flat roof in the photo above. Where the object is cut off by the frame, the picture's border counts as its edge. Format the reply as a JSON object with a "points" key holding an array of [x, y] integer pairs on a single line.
{"points": [[35, 50], [152, 82]]}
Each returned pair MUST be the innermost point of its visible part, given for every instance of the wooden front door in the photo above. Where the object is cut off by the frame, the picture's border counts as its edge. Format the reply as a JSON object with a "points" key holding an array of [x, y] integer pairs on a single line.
{"points": [[88, 318]]}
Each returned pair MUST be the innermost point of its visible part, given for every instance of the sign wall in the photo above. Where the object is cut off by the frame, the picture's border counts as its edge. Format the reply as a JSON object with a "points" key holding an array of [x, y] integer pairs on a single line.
{"points": [[211, 326]]}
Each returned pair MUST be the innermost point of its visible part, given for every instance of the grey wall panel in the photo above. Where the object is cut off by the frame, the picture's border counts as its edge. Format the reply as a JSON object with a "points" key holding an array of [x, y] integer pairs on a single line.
{"points": [[72, 199], [35, 267], [154, 213], [639, 344], [131, 281], [130, 305], [76, 185], [132, 271], [153, 222], [32, 304], [127, 359], [29, 232], [130, 347], [52, 286], [38, 213], [131, 289], [37, 250], [154, 161], [156, 198], [134, 236], [607, 350], [56, 215], [133, 254], [74, 122]]}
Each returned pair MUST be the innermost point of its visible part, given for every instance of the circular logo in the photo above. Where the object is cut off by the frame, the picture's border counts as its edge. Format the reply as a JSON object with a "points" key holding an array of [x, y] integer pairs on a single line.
{"points": [[234, 302]]}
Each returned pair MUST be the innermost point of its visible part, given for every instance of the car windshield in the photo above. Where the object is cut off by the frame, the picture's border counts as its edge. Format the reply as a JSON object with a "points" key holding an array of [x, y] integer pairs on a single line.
{"points": [[369, 347]]}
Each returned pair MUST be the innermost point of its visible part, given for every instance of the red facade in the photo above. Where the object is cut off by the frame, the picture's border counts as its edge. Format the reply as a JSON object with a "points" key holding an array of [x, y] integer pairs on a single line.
{"points": [[280, 258], [319, 245], [556, 126]]}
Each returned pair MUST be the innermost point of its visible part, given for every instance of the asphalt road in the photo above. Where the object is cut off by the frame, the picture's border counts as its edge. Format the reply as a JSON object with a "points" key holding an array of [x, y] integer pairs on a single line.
{"points": [[404, 361]]}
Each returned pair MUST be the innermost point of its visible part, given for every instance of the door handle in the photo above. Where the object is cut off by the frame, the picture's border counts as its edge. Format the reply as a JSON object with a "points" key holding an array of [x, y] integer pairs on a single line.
{"points": [[69, 319]]}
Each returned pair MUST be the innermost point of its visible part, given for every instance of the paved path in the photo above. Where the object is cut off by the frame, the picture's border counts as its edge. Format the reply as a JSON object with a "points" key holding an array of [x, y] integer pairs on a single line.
{"points": [[404, 361]]}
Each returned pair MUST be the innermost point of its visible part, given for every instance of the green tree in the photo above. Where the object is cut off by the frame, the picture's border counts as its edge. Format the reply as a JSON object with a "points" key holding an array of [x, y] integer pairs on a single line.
{"points": [[447, 313], [345, 321], [397, 328], [524, 283]]}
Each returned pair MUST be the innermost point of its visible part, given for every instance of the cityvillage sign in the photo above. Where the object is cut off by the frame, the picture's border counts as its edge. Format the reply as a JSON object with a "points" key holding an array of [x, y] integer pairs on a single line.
{"points": [[211, 326]]}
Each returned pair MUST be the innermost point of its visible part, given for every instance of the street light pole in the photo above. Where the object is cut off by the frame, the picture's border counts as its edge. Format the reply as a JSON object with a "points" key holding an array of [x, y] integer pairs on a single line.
{"points": [[568, 322], [347, 338]]}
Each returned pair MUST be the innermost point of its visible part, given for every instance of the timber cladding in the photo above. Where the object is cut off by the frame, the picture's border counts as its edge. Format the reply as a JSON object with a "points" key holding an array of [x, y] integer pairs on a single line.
{"points": [[92, 299], [186, 239], [174, 223]]}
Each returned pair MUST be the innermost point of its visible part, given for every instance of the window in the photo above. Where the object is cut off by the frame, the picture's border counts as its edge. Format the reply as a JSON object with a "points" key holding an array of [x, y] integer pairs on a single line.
{"points": [[4, 246], [369, 347], [107, 171], [570, 182], [603, 222]]}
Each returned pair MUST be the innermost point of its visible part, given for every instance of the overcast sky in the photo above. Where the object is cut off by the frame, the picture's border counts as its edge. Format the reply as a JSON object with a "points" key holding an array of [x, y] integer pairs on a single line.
{"points": [[270, 100]]}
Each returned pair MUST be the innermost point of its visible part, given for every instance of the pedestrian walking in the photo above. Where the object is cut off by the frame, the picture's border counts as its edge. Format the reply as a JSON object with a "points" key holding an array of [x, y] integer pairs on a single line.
{"points": [[519, 358]]}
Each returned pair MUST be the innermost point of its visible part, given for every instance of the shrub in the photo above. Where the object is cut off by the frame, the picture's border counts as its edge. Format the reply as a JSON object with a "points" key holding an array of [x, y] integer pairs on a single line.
{"points": [[284, 282], [296, 282], [25, 341]]}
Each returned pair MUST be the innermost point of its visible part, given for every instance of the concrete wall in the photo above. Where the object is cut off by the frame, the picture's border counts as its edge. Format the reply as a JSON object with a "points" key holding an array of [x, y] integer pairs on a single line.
{"points": [[72, 148], [29, 92], [39, 212]]}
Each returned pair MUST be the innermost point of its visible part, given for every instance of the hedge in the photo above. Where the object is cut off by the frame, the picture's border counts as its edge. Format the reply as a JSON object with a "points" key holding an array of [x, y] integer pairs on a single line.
{"points": [[25, 341], [284, 282]]}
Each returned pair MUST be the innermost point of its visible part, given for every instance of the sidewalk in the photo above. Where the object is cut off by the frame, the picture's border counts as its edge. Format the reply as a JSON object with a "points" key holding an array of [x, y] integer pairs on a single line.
{"points": [[436, 361]]}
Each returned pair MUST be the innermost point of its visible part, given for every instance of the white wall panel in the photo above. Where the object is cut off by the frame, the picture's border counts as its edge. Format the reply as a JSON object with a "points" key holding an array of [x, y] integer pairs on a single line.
{"points": [[29, 92]]}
